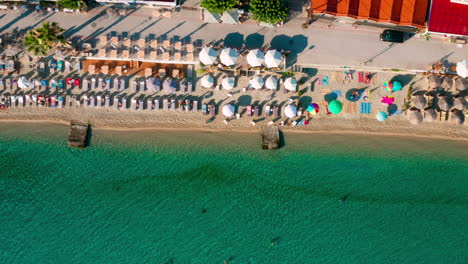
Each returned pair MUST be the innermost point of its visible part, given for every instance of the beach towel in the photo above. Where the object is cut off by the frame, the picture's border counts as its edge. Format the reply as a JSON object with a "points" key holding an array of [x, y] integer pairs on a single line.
{"points": [[325, 81], [361, 77], [319, 79], [365, 108]]}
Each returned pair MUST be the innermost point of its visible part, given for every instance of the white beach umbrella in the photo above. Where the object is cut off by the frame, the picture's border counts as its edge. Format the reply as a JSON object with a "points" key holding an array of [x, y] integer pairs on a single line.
{"points": [[228, 56], [462, 68], [207, 81], [23, 82], [228, 110], [228, 83], [273, 59], [257, 82], [208, 55], [271, 83], [255, 58], [290, 111], [290, 84]]}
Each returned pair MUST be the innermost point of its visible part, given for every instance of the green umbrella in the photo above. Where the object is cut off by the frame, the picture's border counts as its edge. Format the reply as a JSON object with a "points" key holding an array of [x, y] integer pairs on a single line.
{"points": [[335, 106]]}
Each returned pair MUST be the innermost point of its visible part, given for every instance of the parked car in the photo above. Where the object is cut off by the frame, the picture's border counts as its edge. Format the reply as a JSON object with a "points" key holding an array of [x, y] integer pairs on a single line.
{"points": [[389, 35]]}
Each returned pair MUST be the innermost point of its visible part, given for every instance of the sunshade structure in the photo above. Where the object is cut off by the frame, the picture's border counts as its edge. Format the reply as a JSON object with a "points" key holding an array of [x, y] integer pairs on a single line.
{"points": [[393, 86], [335, 107], [228, 110], [462, 68], [382, 116], [23, 83], [257, 82], [169, 85], [271, 83], [207, 81], [313, 108], [457, 117], [447, 82], [419, 101], [228, 56], [445, 103], [460, 103], [208, 56], [255, 58], [290, 111], [434, 81], [415, 117], [228, 83], [430, 115], [290, 84], [273, 59], [461, 84]]}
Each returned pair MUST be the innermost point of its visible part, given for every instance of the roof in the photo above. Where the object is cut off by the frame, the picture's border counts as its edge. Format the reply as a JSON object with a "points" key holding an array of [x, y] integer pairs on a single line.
{"points": [[448, 17], [400, 12]]}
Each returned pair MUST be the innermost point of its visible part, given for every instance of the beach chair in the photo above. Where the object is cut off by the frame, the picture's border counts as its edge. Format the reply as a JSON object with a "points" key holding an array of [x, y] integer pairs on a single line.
{"points": [[20, 100], [42, 67], [165, 104], [77, 82], [12, 101], [60, 102], [189, 87], [60, 84], [142, 85], [98, 101], [124, 104], [115, 105], [92, 101], [149, 84], [249, 110], [60, 66], [85, 101], [213, 111], [140, 105], [122, 84], [107, 84], [34, 100], [133, 105], [195, 106], [173, 104], [275, 111], [100, 83], [134, 86], [85, 85], [15, 84], [52, 66], [8, 83], [256, 111], [157, 84], [69, 82], [93, 84], [187, 105], [115, 85], [183, 86], [27, 99], [204, 109], [267, 110], [156, 104], [149, 105]]}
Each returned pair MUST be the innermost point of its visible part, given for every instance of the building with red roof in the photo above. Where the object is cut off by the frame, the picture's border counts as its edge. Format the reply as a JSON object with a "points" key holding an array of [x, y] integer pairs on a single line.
{"points": [[449, 17]]}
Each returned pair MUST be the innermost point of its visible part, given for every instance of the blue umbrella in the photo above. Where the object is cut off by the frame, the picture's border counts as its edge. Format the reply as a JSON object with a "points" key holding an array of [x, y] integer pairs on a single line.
{"points": [[44, 83], [381, 116]]}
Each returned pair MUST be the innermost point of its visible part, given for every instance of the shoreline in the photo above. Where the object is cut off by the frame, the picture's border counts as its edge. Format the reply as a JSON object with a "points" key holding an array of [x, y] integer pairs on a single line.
{"points": [[249, 130]]}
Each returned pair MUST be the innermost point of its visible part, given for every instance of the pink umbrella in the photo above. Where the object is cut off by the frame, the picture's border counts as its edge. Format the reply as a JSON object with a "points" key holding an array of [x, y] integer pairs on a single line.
{"points": [[388, 100]]}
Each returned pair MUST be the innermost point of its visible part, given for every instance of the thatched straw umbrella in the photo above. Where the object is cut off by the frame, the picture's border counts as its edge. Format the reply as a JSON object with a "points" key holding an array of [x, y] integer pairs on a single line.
{"points": [[457, 117], [461, 84], [445, 103], [447, 82], [434, 81], [459, 103], [430, 115], [415, 117], [419, 101]]}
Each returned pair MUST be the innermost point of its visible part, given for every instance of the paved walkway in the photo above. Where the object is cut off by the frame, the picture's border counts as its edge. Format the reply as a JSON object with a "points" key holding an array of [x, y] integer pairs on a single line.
{"points": [[338, 45]]}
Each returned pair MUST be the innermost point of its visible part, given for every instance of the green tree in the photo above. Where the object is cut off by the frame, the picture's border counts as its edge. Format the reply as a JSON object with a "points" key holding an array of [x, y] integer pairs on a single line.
{"points": [[268, 11], [45, 38], [219, 6], [72, 4]]}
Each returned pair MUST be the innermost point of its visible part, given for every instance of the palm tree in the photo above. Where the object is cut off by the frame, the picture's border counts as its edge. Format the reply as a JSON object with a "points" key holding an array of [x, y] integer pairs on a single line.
{"points": [[45, 38]]}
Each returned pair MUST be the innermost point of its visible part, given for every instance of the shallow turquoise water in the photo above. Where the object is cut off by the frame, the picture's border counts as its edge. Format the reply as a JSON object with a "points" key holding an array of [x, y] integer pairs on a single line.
{"points": [[165, 197]]}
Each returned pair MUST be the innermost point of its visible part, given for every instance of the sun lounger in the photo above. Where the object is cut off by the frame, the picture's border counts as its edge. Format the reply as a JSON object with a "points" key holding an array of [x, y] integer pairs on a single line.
{"points": [[60, 102], [204, 109], [53, 102], [116, 85], [165, 104], [187, 105], [267, 110], [67, 101], [52, 66], [180, 103], [27, 100], [213, 111], [157, 84], [2, 84], [93, 84], [124, 104], [156, 104], [8, 83], [122, 84], [173, 104], [195, 106], [142, 86], [20, 100], [189, 87], [149, 84], [92, 101], [183, 86], [85, 84], [98, 101], [41, 67], [134, 86], [133, 105], [149, 105], [12, 101], [256, 111], [276, 111], [365, 108], [100, 84], [115, 105], [59, 66], [249, 110], [140, 105], [85, 101], [15, 84]]}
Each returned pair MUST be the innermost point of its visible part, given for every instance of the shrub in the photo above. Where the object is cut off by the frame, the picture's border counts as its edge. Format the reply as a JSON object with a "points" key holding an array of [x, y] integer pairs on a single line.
{"points": [[218, 6], [268, 11]]}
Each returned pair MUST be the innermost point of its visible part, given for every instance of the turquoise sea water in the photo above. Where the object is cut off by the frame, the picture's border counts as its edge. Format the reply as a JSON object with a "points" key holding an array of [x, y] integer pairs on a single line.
{"points": [[181, 197]]}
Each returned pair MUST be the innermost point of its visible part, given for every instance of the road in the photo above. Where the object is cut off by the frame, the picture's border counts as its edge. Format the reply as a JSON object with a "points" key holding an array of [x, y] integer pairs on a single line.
{"points": [[338, 45]]}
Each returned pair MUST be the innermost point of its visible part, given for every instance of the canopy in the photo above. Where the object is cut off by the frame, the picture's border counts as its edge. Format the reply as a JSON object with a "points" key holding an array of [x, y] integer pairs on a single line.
{"points": [[208, 56], [447, 82], [169, 85], [457, 117], [255, 58], [461, 84], [462, 68], [257, 82], [23, 83], [271, 83], [434, 81], [393, 86], [273, 59], [419, 101], [207, 81], [335, 107], [381, 116], [290, 111], [415, 117], [228, 56], [228, 83], [459, 103], [290, 84], [445, 103], [228, 110], [430, 115]]}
